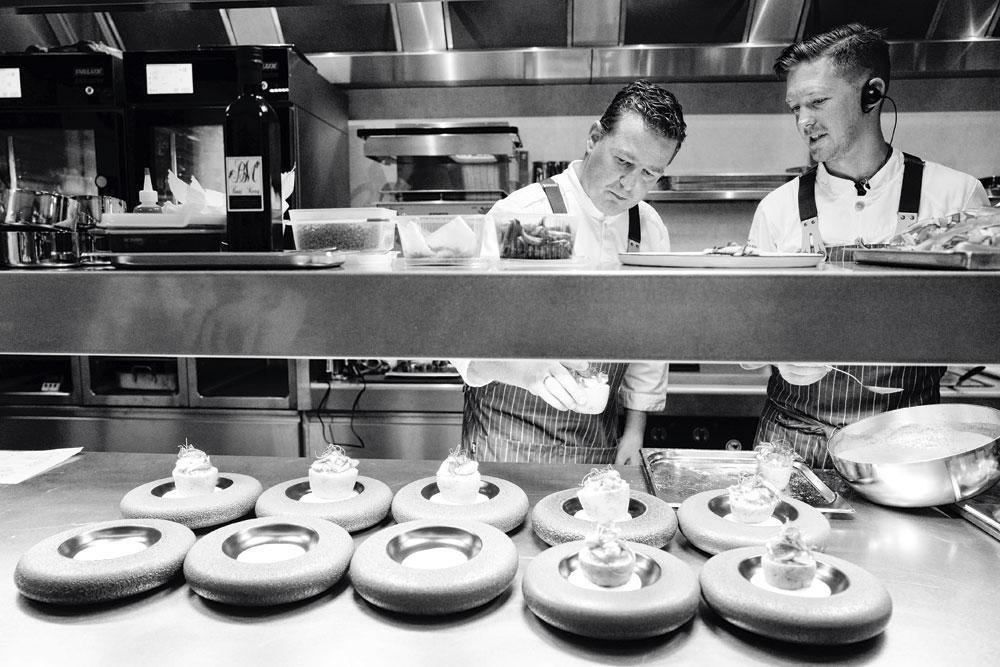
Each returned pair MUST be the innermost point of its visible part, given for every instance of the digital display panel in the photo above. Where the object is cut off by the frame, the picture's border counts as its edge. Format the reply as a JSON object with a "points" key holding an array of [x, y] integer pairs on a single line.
{"points": [[169, 79]]}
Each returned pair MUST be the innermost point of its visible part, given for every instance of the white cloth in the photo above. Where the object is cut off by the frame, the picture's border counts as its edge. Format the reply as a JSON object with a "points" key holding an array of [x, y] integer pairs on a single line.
{"points": [[599, 238], [845, 217]]}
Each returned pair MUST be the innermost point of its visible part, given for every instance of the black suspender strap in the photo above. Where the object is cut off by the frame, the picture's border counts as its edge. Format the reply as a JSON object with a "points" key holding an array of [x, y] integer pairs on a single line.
{"points": [[909, 195], [558, 205], [811, 239], [552, 193]]}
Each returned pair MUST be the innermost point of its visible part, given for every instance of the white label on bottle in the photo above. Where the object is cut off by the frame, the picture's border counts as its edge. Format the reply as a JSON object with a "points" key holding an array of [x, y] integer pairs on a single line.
{"points": [[10, 82], [244, 183], [169, 79]]}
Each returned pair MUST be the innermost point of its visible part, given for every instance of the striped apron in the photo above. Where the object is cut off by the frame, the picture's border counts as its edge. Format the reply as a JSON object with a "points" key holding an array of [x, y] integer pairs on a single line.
{"points": [[807, 416], [502, 422]]}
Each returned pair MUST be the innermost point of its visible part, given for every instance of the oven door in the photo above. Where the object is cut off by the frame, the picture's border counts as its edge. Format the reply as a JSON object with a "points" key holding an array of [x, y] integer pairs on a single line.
{"points": [[74, 152]]}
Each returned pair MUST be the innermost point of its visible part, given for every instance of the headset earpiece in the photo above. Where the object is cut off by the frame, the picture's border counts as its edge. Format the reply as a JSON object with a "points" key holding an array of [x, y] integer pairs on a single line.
{"points": [[870, 96]]}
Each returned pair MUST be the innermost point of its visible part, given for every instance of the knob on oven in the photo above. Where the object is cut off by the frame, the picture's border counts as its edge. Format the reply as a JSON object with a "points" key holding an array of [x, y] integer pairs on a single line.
{"points": [[700, 435]]}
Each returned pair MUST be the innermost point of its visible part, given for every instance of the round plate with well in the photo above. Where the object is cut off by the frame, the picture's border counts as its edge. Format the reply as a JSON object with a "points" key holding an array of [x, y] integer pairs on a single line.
{"points": [[856, 608], [703, 520], [234, 496], [505, 506], [666, 599], [653, 521], [434, 567], [367, 508], [105, 561], [268, 561]]}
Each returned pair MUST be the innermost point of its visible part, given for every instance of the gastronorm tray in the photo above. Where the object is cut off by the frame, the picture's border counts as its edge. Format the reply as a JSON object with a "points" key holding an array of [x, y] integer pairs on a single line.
{"points": [[312, 259], [676, 474], [983, 511], [970, 260]]}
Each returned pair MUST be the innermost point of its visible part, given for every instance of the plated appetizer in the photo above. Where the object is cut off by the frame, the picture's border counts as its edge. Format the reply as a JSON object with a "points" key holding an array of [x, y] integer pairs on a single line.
{"points": [[605, 559], [774, 462], [734, 250], [604, 496], [194, 474], [788, 562], [750, 500], [333, 474], [458, 478]]}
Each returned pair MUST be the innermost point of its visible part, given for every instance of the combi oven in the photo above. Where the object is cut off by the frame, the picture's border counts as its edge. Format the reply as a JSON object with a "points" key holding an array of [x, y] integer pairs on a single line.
{"points": [[175, 109]]}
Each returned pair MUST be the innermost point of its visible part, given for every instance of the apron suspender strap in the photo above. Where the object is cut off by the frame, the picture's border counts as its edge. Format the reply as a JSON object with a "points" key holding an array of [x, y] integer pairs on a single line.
{"points": [[811, 239], [552, 193], [558, 205], [909, 196]]}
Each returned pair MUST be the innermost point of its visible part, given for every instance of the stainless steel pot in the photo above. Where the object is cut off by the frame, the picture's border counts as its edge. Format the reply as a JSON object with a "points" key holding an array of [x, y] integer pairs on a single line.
{"points": [[38, 229], [92, 209], [907, 479]]}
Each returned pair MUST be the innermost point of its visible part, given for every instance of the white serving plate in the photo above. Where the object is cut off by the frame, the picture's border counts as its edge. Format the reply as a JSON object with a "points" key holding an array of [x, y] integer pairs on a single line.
{"points": [[700, 260]]}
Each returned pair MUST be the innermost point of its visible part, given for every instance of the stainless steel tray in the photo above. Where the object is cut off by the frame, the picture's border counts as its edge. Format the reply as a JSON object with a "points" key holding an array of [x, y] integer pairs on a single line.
{"points": [[300, 259], [968, 260], [983, 511], [676, 474]]}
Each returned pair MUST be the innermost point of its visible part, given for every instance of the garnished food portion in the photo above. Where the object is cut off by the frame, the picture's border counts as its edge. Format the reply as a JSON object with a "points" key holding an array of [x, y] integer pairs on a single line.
{"points": [[427, 238], [194, 474], [595, 383], [333, 474], [788, 561], [525, 240], [734, 250], [458, 478], [605, 559], [774, 462], [750, 500], [972, 229], [604, 495]]}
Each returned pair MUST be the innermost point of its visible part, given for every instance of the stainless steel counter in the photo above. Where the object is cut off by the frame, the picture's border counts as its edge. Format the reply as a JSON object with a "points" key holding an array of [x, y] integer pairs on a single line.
{"points": [[940, 571], [840, 315]]}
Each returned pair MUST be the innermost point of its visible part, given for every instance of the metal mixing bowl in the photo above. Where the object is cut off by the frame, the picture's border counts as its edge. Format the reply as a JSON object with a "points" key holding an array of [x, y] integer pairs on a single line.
{"points": [[912, 479]]}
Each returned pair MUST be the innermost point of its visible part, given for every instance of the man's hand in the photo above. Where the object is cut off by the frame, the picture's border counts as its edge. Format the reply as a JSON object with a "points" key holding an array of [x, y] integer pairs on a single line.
{"points": [[802, 374], [551, 381]]}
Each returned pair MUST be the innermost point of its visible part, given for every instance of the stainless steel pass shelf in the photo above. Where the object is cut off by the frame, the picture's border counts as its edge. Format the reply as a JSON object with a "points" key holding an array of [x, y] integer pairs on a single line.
{"points": [[865, 314]]}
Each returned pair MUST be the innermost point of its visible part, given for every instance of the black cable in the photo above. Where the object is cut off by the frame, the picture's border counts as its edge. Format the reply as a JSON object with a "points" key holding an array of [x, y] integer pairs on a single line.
{"points": [[319, 413], [895, 118], [354, 407]]}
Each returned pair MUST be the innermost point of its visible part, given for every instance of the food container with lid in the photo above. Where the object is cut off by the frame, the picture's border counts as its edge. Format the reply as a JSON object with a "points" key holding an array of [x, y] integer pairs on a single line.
{"points": [[441, 240], [346, 229], [535, 236]]}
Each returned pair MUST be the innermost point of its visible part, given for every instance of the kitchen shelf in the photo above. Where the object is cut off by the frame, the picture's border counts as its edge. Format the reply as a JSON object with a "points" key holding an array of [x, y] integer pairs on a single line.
{"points": [[865, 314]]}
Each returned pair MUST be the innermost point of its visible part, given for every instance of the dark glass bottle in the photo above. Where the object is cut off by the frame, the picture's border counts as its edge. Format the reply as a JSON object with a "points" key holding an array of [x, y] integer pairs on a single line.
{"points": [[253, 162]]}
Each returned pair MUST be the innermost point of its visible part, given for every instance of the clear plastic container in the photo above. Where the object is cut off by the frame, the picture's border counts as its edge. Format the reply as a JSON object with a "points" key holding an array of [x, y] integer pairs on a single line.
{"points": [[535, 236], [371, 235], [443, 239]]}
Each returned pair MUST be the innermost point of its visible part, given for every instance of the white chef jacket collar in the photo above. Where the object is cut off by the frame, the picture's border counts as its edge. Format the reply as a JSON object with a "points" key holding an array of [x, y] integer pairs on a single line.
{"points": [[841, 187], [586, 204]]}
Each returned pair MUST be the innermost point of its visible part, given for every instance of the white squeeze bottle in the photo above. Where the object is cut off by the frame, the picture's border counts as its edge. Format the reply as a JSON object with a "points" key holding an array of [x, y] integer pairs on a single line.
{"points": [[148, 197]]}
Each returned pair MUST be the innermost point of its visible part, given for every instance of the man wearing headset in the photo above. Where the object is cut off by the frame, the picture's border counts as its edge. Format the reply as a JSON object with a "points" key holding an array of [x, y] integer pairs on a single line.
{"points": [[861, 191]]}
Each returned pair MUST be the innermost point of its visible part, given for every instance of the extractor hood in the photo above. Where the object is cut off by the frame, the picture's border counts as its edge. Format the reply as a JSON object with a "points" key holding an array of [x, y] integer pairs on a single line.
{"points": [[389, 43]]}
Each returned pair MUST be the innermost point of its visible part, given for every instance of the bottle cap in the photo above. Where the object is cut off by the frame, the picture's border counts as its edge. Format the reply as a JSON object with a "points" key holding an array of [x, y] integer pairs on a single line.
{"points": [[148, 195]]}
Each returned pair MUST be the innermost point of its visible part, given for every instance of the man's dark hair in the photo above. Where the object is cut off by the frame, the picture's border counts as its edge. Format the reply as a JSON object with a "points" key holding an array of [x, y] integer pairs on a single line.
{"points": [[854, 48], [657, 107]]}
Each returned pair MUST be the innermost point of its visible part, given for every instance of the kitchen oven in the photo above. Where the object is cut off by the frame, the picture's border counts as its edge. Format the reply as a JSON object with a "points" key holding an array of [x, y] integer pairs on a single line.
{"points": [[62, 123], [175, 108]]}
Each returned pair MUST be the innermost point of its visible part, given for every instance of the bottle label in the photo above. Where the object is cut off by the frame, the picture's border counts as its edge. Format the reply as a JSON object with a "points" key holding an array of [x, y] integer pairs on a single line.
{"points": [[244, 183]]}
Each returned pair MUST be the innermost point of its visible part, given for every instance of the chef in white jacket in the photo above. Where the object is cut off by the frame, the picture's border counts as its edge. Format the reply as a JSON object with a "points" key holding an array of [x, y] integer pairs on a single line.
{"points": [[861, 191], [524, 410]]}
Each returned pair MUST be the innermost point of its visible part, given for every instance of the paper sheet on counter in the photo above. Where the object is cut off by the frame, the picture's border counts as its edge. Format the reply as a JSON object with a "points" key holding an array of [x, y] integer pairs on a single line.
{"points": [[17, 466]]}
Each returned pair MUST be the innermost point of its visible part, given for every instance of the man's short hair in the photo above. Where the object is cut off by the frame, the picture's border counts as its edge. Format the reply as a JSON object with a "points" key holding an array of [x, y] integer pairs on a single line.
{"points": [[854, 48], [657, 107]]}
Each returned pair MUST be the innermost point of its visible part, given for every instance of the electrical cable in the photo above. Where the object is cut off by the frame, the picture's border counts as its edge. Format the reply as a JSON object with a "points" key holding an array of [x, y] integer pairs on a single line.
{"points": [[319, 413], [895, 117], [354, 406]]}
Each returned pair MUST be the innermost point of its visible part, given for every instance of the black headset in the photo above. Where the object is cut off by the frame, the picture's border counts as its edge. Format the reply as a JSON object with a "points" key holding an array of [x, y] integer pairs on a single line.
{"points": [[870, 96]]}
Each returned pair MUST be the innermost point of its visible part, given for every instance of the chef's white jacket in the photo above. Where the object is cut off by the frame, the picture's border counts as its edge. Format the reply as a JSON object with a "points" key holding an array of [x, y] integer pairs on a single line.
{"points": [[599, 239]]}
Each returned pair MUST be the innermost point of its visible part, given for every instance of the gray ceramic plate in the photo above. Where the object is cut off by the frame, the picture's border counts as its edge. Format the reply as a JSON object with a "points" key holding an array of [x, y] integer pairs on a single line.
{"points": [[105, 561], [234, 497], [653, 521], [858, 607], [506, 507], [667, 599], [702, 520], [268, 561], [364, 510]]}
